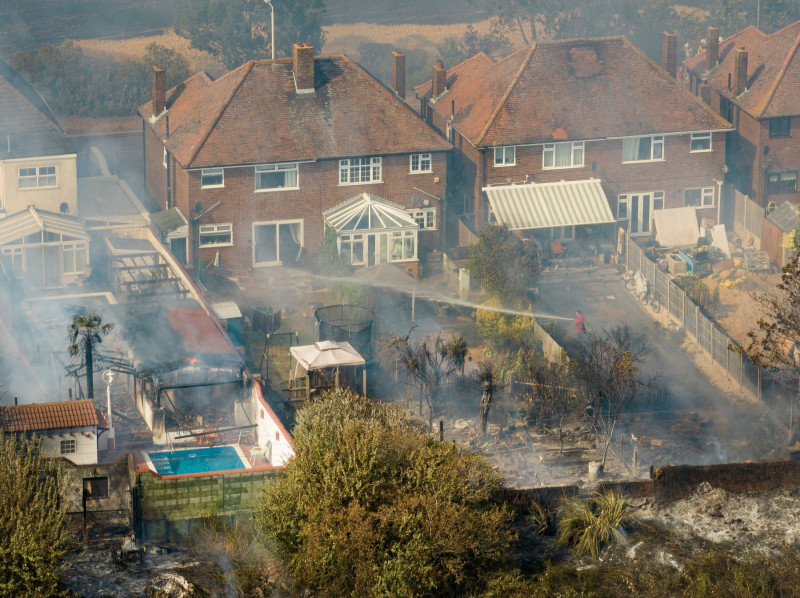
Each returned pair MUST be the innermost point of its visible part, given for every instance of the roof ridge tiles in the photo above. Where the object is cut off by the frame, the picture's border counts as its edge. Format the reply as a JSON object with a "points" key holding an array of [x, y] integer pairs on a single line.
{"points": [[246, 68], [506, 95], [784, 67]]}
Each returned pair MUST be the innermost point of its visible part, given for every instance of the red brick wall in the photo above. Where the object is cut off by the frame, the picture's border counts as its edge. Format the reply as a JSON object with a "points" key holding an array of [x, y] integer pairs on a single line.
{"points": [[319, 190], [155, 175]]}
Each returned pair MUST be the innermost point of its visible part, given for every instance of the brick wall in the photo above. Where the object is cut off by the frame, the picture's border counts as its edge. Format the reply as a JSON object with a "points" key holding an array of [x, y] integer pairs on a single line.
{"points": [[319, 190]]}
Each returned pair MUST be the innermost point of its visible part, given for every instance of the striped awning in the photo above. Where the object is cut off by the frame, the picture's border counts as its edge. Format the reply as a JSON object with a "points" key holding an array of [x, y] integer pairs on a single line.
{"points": [[545, 205], [32, 221], [368, 212]]}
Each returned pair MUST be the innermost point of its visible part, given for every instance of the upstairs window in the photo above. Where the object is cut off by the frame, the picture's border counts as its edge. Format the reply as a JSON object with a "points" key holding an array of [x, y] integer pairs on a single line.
{"points": [[215, 235], [273, 177], [698, 198], [354, 171], [505, 156], [68, 447], [780, 127], [782, 182], [33, 178], [700, 142], [562, 155], [643, 149], [212, 178], [421, 163]]}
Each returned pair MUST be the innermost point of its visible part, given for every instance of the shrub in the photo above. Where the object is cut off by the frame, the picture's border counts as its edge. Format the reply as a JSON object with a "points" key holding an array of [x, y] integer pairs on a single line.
{"points": [[589, 525]]}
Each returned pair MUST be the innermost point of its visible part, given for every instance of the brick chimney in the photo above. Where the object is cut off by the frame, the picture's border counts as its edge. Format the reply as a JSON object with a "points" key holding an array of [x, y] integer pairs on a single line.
{"points": [[303, 63], [439, 79], [669, 53], [399, 73], [712, 47], [159, 89], [740, 72]]}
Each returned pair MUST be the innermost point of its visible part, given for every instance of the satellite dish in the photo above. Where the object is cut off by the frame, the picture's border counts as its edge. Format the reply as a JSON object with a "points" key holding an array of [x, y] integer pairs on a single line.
{"points": [[771, 207], [64, 207]]}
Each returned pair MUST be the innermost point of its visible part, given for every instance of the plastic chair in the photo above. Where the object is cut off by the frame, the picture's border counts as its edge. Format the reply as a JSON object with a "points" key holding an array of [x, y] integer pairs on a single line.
{"points": [[556, 248]]}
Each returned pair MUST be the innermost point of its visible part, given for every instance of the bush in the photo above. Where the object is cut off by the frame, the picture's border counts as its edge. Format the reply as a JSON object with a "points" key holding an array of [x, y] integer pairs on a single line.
{"points": [[699, 292], [589, 525]]}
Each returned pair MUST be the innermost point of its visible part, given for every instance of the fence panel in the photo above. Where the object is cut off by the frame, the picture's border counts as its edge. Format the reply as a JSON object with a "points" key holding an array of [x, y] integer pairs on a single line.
{"points": [[704, 333], [720, 347], [676, 299], [690, 318]]}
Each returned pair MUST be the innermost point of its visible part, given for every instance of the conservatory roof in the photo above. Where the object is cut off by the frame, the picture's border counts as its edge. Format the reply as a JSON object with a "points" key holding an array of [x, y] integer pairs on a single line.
{"points": [[367, 212], [31, 221]]}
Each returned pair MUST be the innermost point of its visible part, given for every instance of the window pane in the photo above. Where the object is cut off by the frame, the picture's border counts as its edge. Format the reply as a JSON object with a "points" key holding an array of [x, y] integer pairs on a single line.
{"points": [[563, 154], [630, 149]]}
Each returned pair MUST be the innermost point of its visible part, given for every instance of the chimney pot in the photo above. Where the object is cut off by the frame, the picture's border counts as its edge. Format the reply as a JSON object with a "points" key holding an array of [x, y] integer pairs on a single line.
{"points": [[439, 79], [669, 53], [399, 73], [740, 72], [712, 47], [159, 89], [303, 64]]}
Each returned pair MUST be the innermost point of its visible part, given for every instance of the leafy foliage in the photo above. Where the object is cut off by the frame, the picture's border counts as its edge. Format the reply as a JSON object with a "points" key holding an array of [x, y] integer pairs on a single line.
{"points": [[589, 525], [75, 84], [371, 506], [239, 30], [507, 332], [699, 292], [85, 332], [504, 265], [33, 533]]}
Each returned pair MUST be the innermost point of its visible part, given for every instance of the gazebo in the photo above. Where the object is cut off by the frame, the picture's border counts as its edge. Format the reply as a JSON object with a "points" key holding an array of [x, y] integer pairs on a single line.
{"points": [[372, 230], [325, 364]]}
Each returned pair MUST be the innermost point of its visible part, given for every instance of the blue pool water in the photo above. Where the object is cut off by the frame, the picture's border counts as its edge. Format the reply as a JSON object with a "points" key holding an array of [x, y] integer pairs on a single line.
{"points": [[196, 460]]}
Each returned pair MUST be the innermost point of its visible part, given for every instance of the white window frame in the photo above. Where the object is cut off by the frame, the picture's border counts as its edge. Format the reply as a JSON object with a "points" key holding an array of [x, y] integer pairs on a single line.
{"points": [[215, 229], [212, 172], [505, 156], [277, 224], [370, 167], [657, 201], [549, 154], [706, 198], [425, 218], [699, 141], [68, 446], [75, 249], [347, 242], [424, 163], [403, 235], [41, 177], [287, 168], [562, 233], [655, 141]]}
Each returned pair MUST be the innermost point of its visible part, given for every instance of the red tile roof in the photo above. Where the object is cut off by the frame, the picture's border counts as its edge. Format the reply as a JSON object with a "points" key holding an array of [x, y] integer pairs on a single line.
{"points": [[773, 70], [48, 416], [253, 115], [568, 89], [22, 109]]}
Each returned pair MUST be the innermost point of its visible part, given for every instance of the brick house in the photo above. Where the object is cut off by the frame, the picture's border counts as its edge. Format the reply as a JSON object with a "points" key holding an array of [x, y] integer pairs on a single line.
{"points": [[570, 136], [753, 79], [253, 158]]}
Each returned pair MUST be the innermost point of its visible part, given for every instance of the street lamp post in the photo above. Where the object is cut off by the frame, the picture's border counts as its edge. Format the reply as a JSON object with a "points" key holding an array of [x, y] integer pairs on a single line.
{"points": [[108, 378], [272, 27]]}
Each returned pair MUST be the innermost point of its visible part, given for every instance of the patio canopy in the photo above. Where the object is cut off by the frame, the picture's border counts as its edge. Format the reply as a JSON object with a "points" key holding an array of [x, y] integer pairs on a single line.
{"points": [[547, 205], [326, 354], [368, 212], [31, 221]]}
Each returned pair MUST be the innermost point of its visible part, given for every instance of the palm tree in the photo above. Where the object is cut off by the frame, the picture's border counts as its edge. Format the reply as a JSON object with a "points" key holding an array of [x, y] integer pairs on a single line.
{"points": [[84, 333]]}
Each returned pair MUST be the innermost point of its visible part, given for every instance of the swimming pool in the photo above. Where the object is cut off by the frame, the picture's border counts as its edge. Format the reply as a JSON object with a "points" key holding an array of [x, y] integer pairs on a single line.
{"points": [[196, 460]]}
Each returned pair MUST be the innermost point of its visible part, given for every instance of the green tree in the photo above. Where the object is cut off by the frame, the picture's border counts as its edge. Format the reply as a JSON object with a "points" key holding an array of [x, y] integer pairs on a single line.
{"points": [[504, 265], [84, 335], [239, 30], [33, 532], [453, 51], [372, 506]]}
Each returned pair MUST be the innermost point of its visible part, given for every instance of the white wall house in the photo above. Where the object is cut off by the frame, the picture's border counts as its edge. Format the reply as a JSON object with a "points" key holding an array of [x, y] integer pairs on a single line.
{"points": [[66, 429], [49, 182]]}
